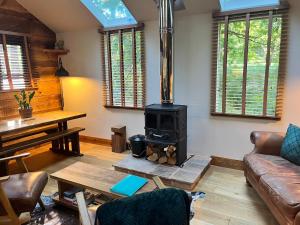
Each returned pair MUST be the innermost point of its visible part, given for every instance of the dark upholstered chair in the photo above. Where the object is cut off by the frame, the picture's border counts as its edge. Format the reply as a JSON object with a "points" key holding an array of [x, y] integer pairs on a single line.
{"points": [[88, 214], [20, 193]]}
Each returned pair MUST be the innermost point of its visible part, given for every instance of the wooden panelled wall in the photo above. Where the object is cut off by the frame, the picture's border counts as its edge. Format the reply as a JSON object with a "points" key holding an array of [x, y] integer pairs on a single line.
{"points": [[13, 17]]}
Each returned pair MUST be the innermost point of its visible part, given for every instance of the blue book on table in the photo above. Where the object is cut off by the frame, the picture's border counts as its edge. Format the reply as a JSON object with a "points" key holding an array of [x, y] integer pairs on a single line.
{"points": [[129, 185]]}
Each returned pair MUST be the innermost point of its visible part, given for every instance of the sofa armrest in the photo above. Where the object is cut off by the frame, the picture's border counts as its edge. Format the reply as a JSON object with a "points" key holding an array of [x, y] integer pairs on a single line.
{"points": [[268, 143]]}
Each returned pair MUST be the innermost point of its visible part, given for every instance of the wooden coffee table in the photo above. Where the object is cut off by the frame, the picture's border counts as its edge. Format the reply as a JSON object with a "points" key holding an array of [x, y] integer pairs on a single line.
{"points": [[90, 177]]}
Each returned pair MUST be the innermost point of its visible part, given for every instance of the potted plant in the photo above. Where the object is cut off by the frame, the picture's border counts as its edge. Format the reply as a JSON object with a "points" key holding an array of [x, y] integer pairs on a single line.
{"points": [[24, 100]]}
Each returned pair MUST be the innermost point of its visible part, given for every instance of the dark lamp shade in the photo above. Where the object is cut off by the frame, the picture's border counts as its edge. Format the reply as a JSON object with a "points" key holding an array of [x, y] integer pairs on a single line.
{"points": [[61, 71]]}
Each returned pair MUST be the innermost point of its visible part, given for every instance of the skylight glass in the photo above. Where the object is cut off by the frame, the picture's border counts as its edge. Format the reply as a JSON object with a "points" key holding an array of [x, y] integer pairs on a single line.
{"points": [[229, 5], [110, 13]]}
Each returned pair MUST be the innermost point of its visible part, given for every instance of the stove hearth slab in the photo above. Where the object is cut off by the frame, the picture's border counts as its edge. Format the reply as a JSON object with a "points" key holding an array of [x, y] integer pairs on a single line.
{"points": [[186, 177]]}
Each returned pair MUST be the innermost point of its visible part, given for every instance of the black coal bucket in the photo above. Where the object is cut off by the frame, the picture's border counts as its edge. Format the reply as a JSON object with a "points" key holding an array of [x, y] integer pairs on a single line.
{"points": [[137, 145]]}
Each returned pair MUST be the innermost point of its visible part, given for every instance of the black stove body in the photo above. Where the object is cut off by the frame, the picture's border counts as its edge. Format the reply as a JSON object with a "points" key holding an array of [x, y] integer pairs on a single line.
{"points": [[166, 124]]}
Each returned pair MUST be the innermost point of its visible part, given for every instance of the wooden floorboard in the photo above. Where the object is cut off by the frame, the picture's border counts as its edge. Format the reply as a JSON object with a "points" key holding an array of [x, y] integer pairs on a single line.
{"points": [[228, 201]]}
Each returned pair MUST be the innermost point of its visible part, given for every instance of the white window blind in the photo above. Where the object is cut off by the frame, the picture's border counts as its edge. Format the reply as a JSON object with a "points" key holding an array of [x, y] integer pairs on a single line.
{"points": [[15, 67], [124, 74], [249, 58]]}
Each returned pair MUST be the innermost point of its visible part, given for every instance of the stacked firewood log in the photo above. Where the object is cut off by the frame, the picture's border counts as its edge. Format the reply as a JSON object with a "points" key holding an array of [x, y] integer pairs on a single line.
{"points": [[162, 155]]}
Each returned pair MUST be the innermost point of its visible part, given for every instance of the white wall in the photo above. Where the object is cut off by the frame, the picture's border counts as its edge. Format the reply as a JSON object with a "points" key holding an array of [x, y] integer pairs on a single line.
{"points": [[83, 91], [206, 135]]}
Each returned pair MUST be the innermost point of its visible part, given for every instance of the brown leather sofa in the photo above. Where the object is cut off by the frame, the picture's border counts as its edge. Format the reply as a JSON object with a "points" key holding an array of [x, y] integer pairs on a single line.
{"points": [[276, 180]]}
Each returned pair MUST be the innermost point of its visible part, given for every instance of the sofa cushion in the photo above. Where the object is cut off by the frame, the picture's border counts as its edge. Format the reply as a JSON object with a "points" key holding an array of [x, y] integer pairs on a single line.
{"points": [[290, 148], [260, 164], [284, 192]]}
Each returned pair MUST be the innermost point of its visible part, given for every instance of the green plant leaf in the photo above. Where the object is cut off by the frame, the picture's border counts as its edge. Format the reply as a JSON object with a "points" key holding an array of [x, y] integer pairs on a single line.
{"points": [[31, 95], [18, 100], [24, 95]]}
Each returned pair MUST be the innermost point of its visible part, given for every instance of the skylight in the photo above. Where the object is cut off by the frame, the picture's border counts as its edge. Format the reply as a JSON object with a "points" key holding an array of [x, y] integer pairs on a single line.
{"points": [[110, 13], [229, 5]]}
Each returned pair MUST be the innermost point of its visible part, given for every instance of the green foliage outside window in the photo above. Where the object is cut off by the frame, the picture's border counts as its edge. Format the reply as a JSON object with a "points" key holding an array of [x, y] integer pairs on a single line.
{"points": [[125, 85], [256, 66]]}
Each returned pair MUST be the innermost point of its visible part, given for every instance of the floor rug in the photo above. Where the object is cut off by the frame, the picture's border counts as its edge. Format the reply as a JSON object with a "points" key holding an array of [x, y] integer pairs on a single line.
{"points": [[53, 215], [58, 215]]}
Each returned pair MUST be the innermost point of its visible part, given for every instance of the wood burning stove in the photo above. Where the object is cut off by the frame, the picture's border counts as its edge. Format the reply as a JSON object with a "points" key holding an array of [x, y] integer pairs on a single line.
{"points": [[165, 123], [166, 126]]}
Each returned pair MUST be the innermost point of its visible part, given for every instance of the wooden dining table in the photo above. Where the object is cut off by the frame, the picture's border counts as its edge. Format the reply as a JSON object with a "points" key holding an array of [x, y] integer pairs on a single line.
{"points": [[14, 129]]}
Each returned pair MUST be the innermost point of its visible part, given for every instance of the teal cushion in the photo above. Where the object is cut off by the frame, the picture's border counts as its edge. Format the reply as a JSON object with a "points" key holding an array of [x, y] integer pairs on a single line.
{"points": [[290, 148]]}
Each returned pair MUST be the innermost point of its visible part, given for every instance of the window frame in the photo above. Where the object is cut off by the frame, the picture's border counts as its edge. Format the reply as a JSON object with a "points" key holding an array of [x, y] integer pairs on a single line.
{"points": [[246, 6], [30, 76], [107, 78], [247, 15], [95, 9]]}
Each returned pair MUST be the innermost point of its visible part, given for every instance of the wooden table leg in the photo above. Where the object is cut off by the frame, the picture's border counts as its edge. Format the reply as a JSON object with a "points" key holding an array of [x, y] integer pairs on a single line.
{"points": [[55, 143], [3, 169], [3, 165], [62, 145], [76, 144], [61, 140], [66, 139], [55, 146]]}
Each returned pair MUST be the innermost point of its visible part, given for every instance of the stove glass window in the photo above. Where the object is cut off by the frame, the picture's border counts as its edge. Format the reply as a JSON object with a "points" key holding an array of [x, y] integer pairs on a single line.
{"points": [[166, 122], [151, 120]]}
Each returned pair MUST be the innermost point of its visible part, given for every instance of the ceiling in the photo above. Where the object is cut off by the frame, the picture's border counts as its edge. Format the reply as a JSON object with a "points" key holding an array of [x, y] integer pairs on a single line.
{"points": [[71, 15]]}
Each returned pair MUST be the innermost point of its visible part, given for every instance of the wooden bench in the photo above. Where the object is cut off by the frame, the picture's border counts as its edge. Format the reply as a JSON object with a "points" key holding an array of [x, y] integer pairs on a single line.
{"points": [[20, 135], [17, 134], [55, 137]]}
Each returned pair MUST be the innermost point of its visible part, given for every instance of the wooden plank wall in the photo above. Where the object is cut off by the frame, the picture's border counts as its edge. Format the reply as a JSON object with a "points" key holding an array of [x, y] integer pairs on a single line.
{"points": [[13, 17]]}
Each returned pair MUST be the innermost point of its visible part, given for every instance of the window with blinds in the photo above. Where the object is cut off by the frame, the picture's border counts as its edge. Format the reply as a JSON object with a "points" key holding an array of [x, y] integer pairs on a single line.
{"points": [[123, 68], [249, 58], [15, 68]]}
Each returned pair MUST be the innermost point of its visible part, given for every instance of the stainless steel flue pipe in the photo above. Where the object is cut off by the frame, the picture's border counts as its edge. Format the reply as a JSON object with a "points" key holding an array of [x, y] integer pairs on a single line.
{"points": [[166, 22]]}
